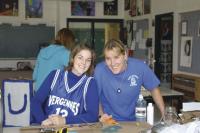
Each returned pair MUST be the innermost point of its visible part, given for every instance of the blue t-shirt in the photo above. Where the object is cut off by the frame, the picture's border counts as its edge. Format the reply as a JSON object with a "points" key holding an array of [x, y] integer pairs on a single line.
{"points": [[119, 92]]}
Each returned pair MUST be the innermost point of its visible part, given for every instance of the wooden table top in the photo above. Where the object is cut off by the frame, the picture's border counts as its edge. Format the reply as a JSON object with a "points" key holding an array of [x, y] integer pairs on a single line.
{"points": [[122, 127]]}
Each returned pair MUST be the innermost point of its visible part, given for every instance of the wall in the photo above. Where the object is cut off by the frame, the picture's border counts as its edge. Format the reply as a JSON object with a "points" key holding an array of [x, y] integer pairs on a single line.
{"points": [[177, 7], [55, 13]]}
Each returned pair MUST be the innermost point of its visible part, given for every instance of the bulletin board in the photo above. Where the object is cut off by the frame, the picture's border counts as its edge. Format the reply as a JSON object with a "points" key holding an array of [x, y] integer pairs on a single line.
{"points": [[189, 30], [24, 41]]}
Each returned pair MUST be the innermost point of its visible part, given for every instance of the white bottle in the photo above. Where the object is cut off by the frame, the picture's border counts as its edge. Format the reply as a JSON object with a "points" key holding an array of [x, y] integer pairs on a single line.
{"points": [[140, 109], [150, 114], [14, 10]]}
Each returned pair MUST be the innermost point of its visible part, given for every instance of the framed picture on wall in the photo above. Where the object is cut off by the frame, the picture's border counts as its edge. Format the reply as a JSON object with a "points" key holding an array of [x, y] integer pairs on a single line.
{"points": [[184, 27], [132, 11], [82, 8], [34, 9], [9, 7], [127, 5], [111, 8], [186, 51], [147, 6], [139, 7]]}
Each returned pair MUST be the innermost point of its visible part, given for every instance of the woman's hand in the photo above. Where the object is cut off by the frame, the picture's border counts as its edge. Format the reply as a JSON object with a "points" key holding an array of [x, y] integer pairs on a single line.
{"points": [[47, 122], [54, 120], [57, 119], [105, 117]]}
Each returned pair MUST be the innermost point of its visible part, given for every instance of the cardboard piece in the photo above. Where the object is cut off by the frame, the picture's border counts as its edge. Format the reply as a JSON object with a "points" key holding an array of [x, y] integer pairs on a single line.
{"points": [[122, 127]]}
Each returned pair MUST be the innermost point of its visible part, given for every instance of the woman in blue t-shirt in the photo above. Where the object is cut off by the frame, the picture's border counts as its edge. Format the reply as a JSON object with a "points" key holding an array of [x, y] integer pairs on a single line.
{"points": [[119, 81]]}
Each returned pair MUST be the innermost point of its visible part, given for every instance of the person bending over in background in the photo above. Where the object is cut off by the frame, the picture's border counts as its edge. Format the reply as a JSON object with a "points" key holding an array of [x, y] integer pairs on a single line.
{"points": [[68, 96], [55, 56], [119, 81]]}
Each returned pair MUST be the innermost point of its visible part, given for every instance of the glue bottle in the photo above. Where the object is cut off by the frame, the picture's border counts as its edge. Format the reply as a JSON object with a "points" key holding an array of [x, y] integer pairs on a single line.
{"points": [[150, 114]]}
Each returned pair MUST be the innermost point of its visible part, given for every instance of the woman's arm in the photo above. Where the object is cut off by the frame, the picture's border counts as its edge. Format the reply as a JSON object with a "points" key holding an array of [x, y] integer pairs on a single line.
{"points": [[39, 99], [92, 105]]}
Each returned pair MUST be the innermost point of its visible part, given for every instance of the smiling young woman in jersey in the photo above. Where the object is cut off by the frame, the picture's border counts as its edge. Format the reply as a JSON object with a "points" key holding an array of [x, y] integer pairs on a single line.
{"points": [[119, 81], [68, 96]]}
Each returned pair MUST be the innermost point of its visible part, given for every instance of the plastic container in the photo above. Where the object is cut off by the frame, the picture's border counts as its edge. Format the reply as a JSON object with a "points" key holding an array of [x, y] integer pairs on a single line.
{"points": [[170, 115], [150, 114], [140, 109]]}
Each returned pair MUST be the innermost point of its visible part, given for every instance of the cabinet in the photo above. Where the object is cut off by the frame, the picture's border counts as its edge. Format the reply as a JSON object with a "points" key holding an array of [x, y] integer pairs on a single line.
{"points": [[164, 47], [189, 85], [15, 75]]}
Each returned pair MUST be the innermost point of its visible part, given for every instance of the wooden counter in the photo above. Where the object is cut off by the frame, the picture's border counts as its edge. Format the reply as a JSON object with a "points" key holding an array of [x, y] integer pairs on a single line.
{"points": [[187, 84]]}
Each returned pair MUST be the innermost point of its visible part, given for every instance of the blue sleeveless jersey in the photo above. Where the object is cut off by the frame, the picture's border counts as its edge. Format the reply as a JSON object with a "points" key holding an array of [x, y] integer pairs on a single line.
{"points": [[66, 101]]}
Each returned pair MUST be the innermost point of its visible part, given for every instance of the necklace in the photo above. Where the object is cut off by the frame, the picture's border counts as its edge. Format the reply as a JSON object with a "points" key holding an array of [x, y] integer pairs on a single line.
{"points": [[119, 90]]}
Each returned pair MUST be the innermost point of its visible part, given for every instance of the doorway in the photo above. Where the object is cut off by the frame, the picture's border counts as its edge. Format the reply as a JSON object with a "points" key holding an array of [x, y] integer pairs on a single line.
{"points": [[96, 32], [164, 48]]}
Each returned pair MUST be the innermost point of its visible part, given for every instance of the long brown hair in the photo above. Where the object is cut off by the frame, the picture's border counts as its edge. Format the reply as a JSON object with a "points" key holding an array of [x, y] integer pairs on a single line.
{"points": [[75, 51], [66, 38]]}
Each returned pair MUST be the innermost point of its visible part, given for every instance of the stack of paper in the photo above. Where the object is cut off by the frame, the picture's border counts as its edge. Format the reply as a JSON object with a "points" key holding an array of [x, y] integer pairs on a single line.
{"points": [[191, 106]]}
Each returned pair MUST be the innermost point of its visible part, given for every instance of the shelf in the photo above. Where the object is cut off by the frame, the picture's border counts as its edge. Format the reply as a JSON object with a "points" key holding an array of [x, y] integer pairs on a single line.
{"points": [[146, 16], [189, 85], [183, 87]]}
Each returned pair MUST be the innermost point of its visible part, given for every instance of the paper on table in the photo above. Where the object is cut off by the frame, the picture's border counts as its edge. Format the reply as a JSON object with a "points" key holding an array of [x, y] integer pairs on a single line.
{"points": [[191, 106]]}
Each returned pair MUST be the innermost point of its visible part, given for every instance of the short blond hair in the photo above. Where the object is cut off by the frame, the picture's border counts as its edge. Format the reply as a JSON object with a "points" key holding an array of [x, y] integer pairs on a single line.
{"points": [[115, 44]]}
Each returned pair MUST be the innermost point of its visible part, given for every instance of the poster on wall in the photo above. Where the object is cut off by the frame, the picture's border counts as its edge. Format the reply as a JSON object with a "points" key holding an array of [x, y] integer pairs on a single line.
{"points": [[9, 7], [186, 51], [147, 6], [132, 11], [166, 30], [127, 5], [82, 8], [33, 8], [139, 7], [111, 8], [129, 25]]}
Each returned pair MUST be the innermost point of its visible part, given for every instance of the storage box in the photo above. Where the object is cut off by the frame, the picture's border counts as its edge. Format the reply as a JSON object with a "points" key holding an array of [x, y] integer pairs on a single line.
{"points": [[197, 90]]}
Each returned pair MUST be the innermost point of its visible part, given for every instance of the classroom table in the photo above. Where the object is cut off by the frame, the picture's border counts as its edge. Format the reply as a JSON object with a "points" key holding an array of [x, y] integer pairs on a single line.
{"points": [[170, 97]]}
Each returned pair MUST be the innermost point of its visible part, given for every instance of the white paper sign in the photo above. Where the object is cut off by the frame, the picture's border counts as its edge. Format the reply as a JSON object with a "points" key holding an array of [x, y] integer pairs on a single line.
{"points": [[16, 97], [191, 106], [186, 51]]}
